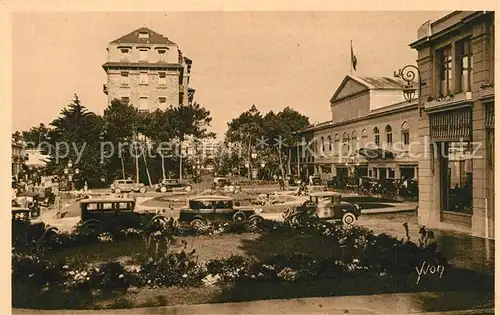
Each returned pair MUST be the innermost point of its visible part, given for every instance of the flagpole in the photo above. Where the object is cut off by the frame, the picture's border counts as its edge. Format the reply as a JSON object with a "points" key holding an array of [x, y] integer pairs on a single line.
{"points": [[350, 61]]}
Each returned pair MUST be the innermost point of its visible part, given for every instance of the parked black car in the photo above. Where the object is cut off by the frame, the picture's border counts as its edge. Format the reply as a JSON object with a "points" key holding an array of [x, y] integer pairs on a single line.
{"points": [[327, 206], [202, 209]]}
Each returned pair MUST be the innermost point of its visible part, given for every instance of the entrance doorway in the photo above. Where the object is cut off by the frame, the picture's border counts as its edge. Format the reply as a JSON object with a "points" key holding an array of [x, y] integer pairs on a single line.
{"points": [[456, 177]]}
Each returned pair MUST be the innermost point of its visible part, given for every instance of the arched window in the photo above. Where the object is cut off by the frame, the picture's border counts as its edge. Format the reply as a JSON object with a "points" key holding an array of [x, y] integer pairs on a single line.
{"points": [[329, 143], [354, 139], [345, 137], [322, 144], [376, 136], [388, 134], [337, 143], [405, 133], [364, 134]]}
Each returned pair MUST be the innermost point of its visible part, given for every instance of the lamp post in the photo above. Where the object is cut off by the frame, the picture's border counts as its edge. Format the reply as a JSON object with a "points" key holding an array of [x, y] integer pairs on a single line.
{"points": [[70, 172], [408, 73]]}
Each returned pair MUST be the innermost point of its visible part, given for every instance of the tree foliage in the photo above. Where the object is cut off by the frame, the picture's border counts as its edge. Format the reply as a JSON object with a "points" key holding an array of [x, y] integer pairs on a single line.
{"points": [[100, 138], [268, 135]]}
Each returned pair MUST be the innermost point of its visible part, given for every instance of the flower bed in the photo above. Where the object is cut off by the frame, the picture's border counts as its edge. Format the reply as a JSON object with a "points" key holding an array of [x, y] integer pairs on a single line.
{"points": [[355, 252]]}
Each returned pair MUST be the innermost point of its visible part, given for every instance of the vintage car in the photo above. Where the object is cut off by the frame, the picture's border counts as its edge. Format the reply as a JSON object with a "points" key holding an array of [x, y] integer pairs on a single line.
{"points": [[30, 200], [202, 209], [173, 185], [221, 182], [109, 213], [328, 206], [27, 230], [127, 185]]}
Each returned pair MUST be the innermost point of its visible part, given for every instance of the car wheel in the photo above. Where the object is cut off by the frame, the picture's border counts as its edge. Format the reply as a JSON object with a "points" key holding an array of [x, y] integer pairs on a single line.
{"points": [[118, 190], [51, 237], [198, 223], [188, 188], [159, 220], [142, 190], [255, 220], [92, 229], [296, 218], [239, 217], [348, 218], [163, 189]]}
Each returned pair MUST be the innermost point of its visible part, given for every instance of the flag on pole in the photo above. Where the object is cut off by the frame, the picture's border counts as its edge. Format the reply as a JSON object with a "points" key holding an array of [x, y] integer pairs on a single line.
{"points": [[354, 60]]}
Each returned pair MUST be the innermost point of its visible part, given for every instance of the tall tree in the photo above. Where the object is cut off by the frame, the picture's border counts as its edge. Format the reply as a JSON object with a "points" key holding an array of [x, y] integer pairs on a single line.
{"points": [[246, 129], [191, 120], [35, 135], [291, 121], [273, 134], [159, 128], [121, 122], [79, 130]]}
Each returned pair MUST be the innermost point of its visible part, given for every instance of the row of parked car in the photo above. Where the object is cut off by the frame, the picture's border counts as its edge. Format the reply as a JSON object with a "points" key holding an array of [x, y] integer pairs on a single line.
{"points": [[167, 185], [107, 213]]}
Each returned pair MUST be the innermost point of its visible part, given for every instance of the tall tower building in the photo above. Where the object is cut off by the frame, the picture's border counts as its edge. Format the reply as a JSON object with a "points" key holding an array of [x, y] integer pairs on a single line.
{"points": [[147, 70]]}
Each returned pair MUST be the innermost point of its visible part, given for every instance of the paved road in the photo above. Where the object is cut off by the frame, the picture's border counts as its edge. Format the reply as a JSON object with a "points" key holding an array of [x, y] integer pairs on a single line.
{"points": [[444, 303]]}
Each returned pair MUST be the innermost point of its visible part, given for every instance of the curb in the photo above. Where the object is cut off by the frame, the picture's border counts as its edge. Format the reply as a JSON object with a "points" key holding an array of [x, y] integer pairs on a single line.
{"points": [[386, 210], [483, 311]]}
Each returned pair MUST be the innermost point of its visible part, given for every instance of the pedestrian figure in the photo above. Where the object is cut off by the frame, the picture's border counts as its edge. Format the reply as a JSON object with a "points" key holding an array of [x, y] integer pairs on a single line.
{"points": [[282, 183]]}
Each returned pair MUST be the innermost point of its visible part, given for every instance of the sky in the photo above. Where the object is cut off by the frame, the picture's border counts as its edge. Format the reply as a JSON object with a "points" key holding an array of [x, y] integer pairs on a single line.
{"points": [[270, 59]]}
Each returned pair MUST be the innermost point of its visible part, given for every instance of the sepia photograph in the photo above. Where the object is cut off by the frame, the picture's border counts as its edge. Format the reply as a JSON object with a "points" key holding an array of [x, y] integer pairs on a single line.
{"points": [[252, 162]]}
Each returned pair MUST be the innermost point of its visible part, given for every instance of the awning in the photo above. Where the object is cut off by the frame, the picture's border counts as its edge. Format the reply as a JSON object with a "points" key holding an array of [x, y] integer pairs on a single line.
{"points": [[455, 125], [375, 154]]}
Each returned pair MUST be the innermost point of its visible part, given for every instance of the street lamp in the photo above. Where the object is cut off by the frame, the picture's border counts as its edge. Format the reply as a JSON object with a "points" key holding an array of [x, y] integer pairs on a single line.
{"points": [[408, 73]]}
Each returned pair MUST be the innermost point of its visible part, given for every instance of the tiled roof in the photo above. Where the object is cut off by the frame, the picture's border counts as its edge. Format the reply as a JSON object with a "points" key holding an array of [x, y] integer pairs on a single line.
{"points": [[383, 83], [133, 38]]}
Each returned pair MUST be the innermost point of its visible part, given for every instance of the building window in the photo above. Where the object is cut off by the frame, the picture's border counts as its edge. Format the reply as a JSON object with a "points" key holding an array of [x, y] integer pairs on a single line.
{"points": [[124, 55], [376, 136], [125, 100], [162, 100], [143, 55], [456, 177], [162, 78], [161, 55], [345, 143], [465, 71], [124, 79], [388, 134], [392, 173], [143, 35], [329, 143], [143, 103], [322, 144], [143, 78], [445, 70], [354, 140], [345, 138], [405, 133]]}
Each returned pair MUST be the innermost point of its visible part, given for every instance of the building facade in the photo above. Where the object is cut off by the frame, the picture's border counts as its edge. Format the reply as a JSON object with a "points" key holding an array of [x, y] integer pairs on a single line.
{"points": [[17, 158], [373, 133], [148, 70], [456, 130]]}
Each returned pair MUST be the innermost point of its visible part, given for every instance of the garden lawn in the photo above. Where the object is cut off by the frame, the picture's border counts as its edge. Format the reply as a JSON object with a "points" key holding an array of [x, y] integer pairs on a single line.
{"points": [[207, 247]]}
